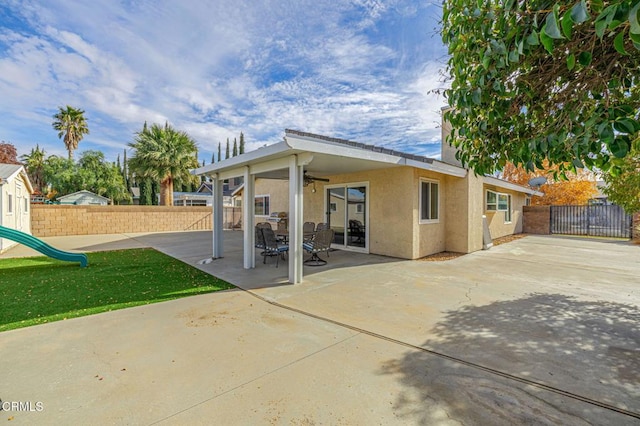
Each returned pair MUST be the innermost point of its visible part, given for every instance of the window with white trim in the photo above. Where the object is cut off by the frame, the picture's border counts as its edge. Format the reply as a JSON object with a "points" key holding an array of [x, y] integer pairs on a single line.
{"points": [[26, 204], [507, 212], [262, 205], [429, 201], [360, 208], [10, 203], [491, 201]]}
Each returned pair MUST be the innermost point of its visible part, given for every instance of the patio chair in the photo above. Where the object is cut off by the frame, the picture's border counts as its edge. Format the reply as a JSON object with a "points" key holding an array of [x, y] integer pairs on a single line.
{"points": [[356, 230], [320, 243], [259, 244], [308, 229], [271, 245], [322, 225]]}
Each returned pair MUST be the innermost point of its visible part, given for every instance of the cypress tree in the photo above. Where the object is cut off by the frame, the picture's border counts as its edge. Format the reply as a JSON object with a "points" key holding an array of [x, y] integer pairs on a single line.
{"points": [[226, 153], [213, 159], [219, 150], [154, 193], [241, 143], [145, 192], [235, 147]]}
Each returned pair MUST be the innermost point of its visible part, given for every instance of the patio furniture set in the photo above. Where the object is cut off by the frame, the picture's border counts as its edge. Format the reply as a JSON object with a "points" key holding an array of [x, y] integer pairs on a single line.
{"points": [[274, 243]]}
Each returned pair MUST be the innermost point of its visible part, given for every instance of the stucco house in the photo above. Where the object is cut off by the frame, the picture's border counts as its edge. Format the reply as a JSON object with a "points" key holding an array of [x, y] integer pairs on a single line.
{"points": [[409, 206], [84, 197], [15, 199]]}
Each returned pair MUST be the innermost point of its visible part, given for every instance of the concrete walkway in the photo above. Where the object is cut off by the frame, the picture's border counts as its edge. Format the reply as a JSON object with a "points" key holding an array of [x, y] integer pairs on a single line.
{"points": [[543, 330]]}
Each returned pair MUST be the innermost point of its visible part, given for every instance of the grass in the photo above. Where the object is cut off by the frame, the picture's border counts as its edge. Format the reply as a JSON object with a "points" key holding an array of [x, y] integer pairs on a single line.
{"points": [[38, 290]]}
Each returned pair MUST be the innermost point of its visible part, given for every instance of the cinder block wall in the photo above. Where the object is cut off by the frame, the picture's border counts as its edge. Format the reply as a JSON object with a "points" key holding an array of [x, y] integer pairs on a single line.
{"points": [[536, 220], [59, 220]]}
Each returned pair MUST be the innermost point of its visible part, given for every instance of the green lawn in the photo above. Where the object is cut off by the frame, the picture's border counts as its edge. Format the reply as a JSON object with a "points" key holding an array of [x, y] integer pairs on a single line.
{"points": [[37, 290]]}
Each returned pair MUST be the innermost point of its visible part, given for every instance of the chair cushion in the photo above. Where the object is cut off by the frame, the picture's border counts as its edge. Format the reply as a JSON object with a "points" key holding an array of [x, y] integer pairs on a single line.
{"points": [[307, 246]]}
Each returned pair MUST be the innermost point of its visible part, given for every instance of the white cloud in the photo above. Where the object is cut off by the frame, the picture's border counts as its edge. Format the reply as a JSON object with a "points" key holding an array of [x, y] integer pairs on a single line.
{"points": [[218, 67]]}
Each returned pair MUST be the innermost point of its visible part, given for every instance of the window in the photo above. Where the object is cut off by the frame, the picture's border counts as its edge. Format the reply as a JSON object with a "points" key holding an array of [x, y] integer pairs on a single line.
{"points": [[360, 208], [333, 207], [491, 204], [262, 205], [26, 204], [429, 201], [527, 201], [507, 212], [503, 202], [10, 203]]}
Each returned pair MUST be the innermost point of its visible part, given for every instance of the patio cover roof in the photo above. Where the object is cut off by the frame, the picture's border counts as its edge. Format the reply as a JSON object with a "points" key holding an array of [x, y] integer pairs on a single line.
{"points": [[330, 156]]}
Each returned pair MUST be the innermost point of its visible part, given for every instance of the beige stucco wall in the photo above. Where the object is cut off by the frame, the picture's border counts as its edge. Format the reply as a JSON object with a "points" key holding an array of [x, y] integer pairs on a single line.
{"points": [[497, 226], [464, 214], [278, 192]]}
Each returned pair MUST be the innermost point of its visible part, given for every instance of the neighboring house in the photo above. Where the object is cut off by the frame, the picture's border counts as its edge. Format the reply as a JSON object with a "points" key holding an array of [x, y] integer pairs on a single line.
{"points": [[84, 197], [15, 200], [409, 206]]}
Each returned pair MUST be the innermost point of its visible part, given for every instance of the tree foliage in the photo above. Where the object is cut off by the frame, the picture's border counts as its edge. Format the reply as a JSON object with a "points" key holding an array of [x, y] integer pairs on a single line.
{"points": [[71, 123], [540, 80], [577, 189], [8, 153], [34, 163], [624, 188], [163, 154], [92, 172]]}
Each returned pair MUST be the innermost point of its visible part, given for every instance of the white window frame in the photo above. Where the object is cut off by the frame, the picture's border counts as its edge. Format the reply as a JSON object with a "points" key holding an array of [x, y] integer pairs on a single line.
{"points": [[265, 197], [429, 219], [10, 203], [508, 213], [491, 206], [26, 204], [333, 207], [360, 208]]}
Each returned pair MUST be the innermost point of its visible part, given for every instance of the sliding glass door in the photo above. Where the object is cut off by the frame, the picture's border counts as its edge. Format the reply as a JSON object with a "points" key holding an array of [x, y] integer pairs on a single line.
{"points": [[348, 215]]}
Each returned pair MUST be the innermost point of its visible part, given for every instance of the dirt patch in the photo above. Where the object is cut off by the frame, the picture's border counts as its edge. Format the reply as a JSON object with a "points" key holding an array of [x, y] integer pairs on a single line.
{"points": [[508, 239], [439, 257]]}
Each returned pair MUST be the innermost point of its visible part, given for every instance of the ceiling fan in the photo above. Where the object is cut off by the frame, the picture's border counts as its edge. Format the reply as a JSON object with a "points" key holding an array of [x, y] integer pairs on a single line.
{"points": [[308, 180]]}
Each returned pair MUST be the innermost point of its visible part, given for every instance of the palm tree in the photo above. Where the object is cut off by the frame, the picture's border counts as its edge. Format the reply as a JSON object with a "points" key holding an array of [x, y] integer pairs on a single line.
{"points": [[163, 154], [71, 123], [34, 163]]}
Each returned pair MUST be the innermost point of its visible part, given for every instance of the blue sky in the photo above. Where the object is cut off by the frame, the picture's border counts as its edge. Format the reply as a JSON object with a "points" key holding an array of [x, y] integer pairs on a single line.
{"points": [[362, 70]]}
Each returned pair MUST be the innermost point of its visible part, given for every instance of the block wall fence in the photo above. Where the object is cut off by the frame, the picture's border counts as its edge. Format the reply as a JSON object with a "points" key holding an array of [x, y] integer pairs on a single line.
{"points": [[537, 220], [59, 220]]}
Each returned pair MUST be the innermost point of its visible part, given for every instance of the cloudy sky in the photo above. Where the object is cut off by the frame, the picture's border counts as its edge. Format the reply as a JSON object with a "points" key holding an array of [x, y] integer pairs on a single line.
{"points": [[362, 70]]}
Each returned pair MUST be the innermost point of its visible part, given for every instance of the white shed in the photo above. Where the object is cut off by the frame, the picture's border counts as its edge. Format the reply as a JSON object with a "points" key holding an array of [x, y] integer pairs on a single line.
{"points": [[15, 200]]}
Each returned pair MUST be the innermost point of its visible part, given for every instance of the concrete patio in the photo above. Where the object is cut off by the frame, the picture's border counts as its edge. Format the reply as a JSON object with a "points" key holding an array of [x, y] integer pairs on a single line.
{"points": [[543, 330]]}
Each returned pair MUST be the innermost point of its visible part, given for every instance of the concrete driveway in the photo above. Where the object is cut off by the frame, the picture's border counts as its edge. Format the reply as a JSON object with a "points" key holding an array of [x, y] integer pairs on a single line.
{"points": [[542, 330]]}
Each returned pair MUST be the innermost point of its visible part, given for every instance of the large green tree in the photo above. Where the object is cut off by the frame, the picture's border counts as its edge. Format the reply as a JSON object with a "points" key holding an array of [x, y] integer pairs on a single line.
{"points": [[163, 154], [71, 123], [34, 163], [92, 172], [536, 80], [624, 188]]}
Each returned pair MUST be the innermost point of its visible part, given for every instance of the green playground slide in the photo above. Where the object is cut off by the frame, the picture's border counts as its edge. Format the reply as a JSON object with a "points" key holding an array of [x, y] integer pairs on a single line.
{"points": [[39, 245]]}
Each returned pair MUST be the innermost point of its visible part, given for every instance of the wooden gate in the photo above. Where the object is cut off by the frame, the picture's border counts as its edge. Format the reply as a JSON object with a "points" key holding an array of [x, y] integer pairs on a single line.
{"points": [[596, 220]]}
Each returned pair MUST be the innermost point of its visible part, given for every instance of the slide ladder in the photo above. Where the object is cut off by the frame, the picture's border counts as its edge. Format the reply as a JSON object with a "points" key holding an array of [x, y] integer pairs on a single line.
{"points": [[39, 245]]}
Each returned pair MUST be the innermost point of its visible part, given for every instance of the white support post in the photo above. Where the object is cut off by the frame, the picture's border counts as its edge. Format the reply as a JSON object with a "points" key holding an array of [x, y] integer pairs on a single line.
{"points": [[217, 213], [295, 220], [248, 215]]}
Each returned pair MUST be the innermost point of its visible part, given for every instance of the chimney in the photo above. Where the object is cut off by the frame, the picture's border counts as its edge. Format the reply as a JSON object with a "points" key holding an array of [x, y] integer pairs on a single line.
{"points": [[447, 152]]}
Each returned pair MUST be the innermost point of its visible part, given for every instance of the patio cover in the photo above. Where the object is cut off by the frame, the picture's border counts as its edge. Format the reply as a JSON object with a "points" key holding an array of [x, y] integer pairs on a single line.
{"points": [[299, 152]]}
